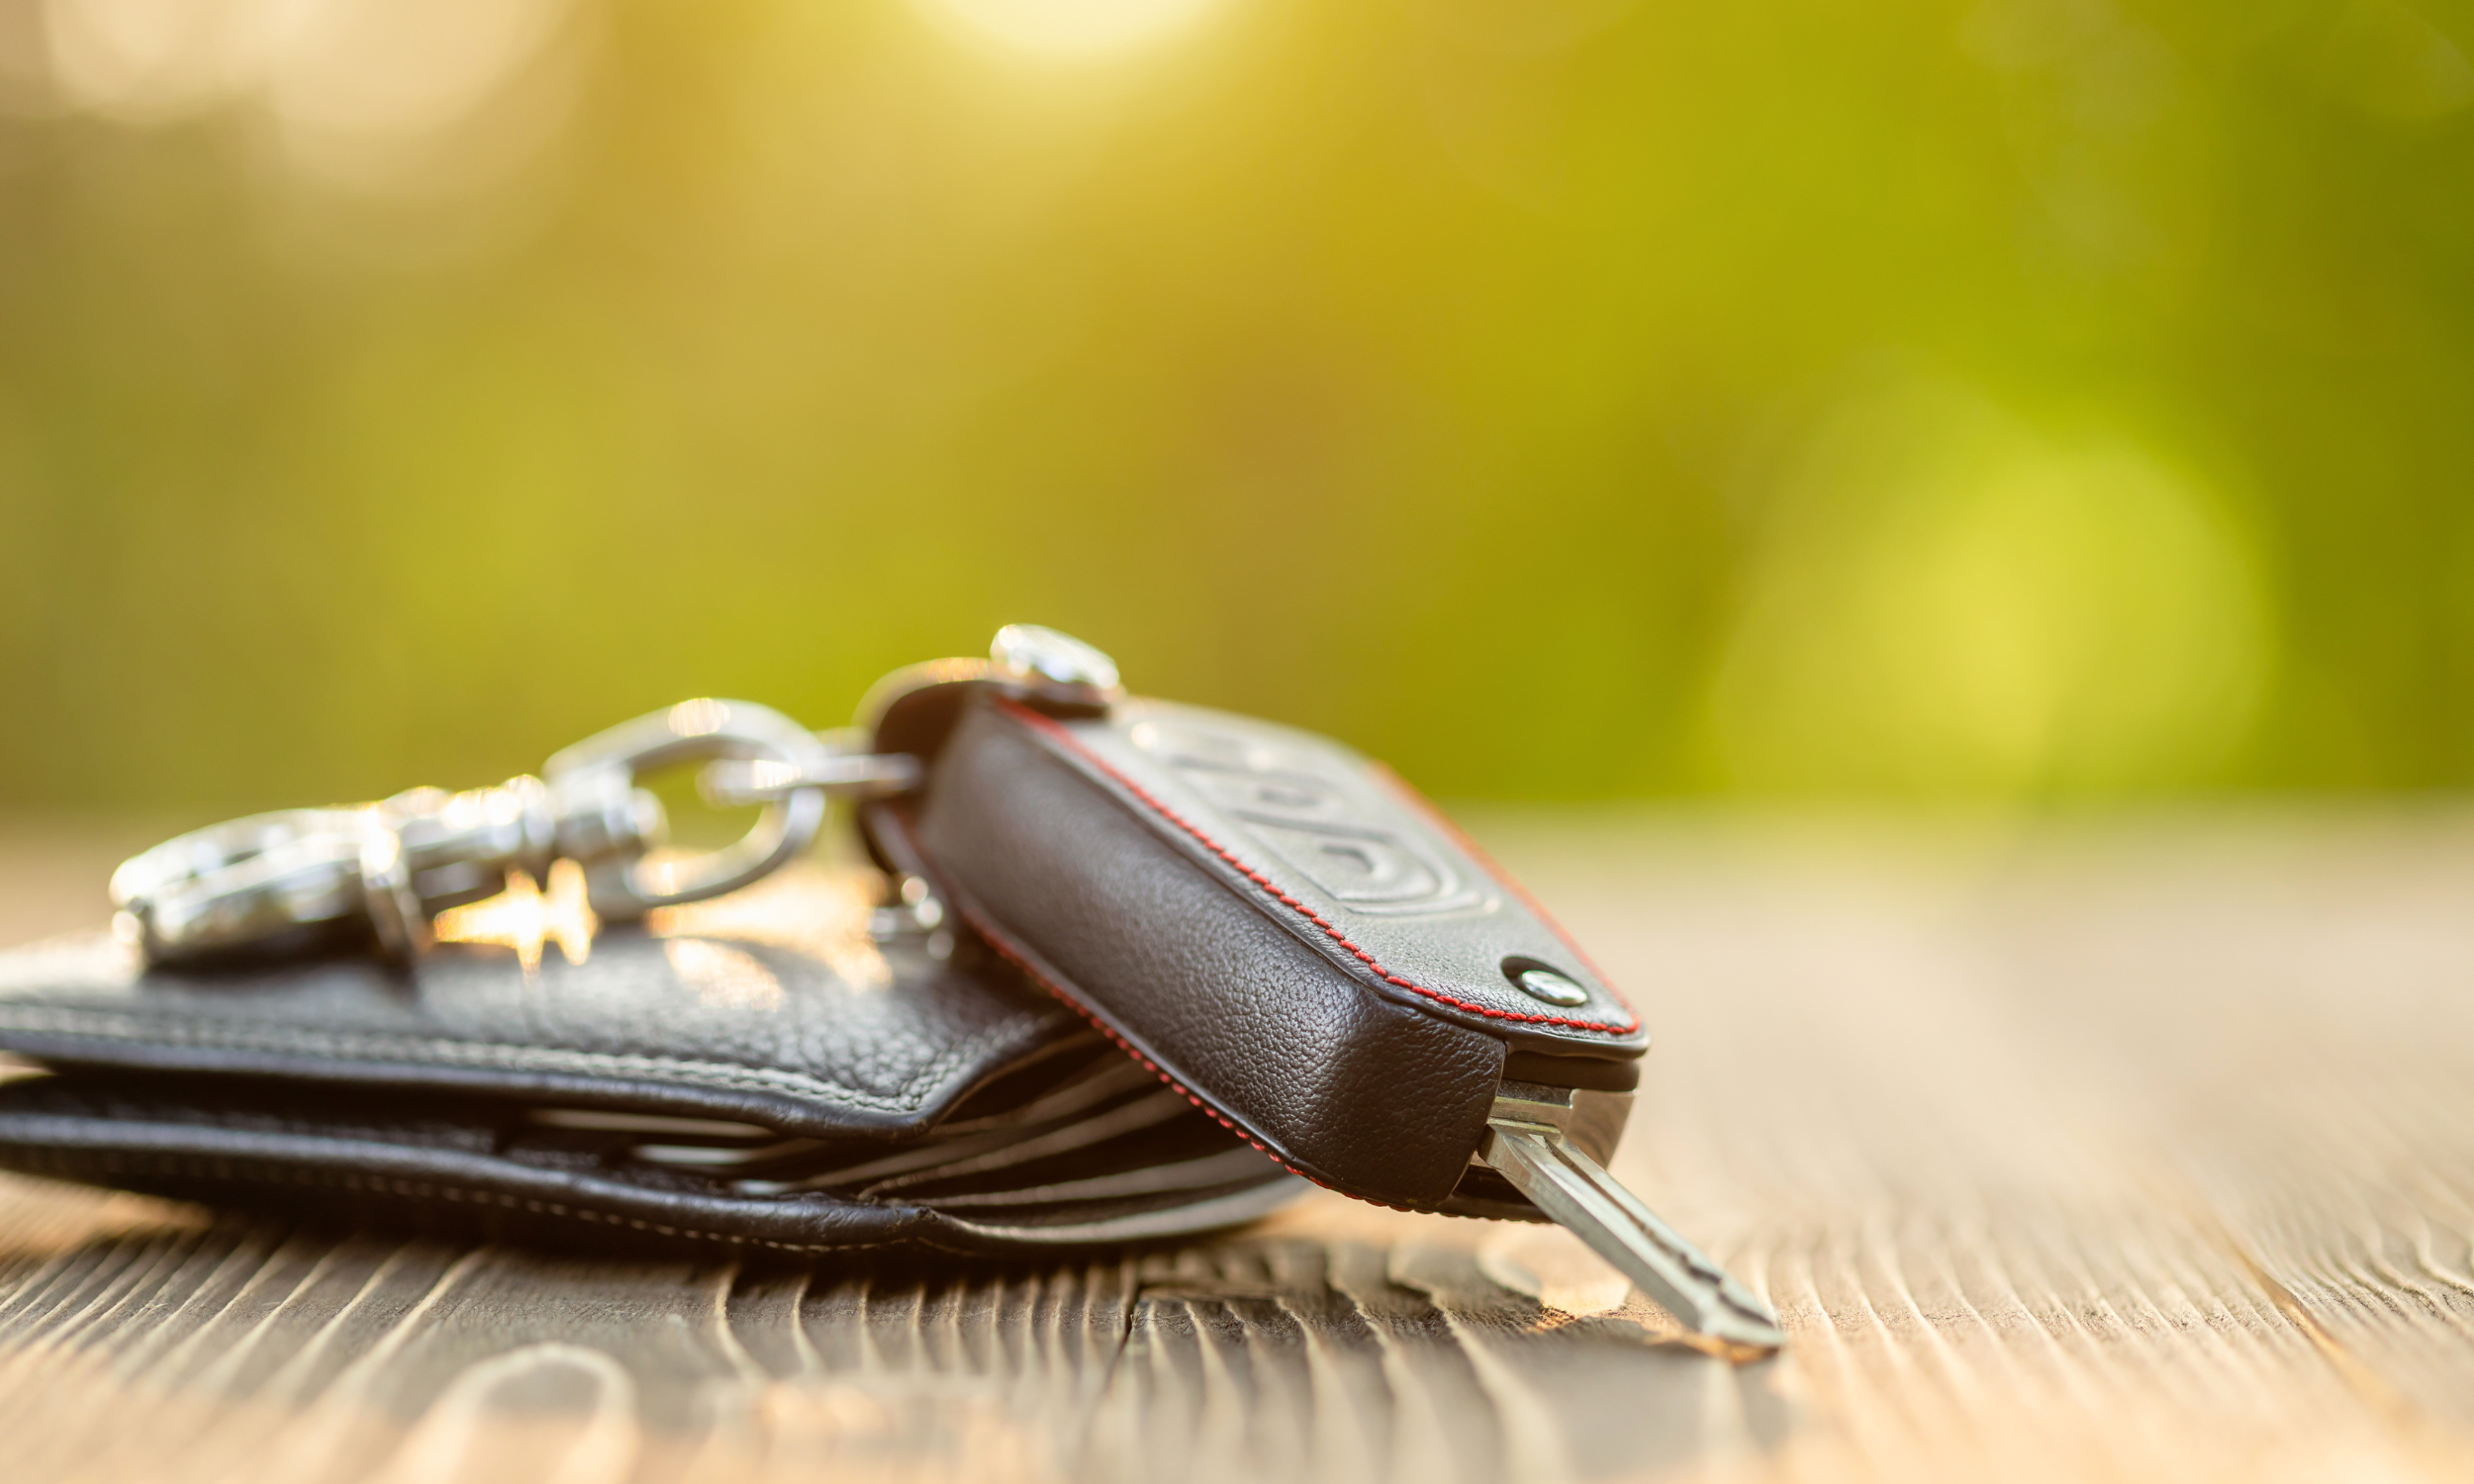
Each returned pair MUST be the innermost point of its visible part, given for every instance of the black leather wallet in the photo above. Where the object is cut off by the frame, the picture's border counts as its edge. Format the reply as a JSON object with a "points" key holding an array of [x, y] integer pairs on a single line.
{"points": [[759, 1073]]}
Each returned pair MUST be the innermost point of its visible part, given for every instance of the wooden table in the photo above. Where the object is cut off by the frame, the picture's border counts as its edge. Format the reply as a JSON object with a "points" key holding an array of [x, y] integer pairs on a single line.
{"points": [[2127, 1149]]}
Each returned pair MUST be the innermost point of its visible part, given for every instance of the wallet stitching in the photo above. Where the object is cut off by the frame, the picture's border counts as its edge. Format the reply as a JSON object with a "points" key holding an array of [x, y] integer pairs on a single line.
{"points": [[202, 1168], [1269, 888], [366, 1049]]}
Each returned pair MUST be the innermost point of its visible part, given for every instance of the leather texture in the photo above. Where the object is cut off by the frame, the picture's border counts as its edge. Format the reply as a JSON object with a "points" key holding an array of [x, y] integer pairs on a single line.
{"points": [[1277, 926], [460, 1167], [343, 1088], [731, 1024]]}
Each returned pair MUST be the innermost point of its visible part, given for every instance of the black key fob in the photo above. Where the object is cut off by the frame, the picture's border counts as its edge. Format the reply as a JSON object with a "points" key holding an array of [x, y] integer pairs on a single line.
{"points": [[1281, 928]]}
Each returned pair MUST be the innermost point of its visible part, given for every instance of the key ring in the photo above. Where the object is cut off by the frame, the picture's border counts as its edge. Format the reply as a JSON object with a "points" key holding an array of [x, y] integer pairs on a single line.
{"points": [[300, 878], [303, 878]]}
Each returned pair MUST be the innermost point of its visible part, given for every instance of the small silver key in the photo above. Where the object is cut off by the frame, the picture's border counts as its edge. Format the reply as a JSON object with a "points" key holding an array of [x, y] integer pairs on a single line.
{"points": [[1523, 1145]]}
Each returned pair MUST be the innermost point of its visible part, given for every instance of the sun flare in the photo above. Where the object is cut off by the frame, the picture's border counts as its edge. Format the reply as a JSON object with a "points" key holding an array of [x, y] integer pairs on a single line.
{"points": [[1069, 28]]}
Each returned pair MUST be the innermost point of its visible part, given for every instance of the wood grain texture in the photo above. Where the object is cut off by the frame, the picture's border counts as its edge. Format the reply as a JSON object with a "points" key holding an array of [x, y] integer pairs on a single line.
{"points": [[2123, 1152]]}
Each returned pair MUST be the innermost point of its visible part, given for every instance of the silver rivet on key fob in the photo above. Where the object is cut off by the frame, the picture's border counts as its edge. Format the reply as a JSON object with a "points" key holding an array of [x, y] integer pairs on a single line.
{"points": [[1028, 650], [1555, 989]]}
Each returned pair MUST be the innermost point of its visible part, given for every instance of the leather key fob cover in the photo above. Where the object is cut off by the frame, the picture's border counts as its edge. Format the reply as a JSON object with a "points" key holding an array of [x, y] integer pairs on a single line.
{"points": [[1279, 928]]}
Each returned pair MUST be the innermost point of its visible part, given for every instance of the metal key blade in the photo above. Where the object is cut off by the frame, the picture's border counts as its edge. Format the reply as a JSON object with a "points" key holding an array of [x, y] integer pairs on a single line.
{"points": [[1569, 1187]]}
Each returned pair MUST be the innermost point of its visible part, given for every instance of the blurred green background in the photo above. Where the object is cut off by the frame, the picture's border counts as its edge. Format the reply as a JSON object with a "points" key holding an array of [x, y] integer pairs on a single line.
{"points": [[2014, 400]]}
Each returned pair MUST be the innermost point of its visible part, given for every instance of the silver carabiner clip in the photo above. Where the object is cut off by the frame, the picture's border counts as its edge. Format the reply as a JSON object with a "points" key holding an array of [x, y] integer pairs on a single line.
{"points": [[305, 877]]}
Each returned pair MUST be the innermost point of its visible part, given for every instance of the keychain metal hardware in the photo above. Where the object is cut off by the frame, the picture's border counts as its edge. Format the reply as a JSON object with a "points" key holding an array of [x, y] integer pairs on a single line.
{"points": [[270, 881]]}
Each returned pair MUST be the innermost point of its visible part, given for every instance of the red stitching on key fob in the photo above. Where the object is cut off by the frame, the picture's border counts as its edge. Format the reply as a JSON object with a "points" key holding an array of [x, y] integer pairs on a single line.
{"points": [[1402, 790], [1013, 954], [1068, 740]]}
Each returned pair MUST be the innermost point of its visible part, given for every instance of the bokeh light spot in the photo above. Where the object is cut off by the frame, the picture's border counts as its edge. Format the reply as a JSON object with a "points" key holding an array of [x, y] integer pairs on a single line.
{"points": [[1069, 28], [373, 95], [1947, 598]]}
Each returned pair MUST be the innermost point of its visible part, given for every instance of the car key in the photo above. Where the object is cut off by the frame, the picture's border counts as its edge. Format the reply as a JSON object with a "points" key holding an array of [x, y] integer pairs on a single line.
{"points": [[1292, 939], [1526, 1144]]}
